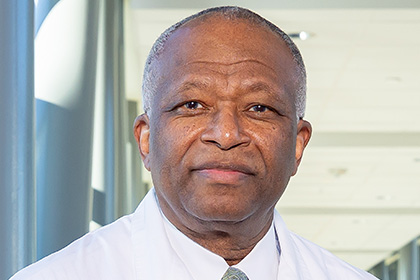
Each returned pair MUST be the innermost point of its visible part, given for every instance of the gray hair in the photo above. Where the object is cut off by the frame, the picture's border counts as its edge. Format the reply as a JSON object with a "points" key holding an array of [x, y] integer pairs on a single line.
{"points": [[150, 76]]}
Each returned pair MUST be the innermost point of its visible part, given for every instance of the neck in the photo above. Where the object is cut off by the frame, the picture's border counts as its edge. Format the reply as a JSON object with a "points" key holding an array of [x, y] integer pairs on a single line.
{"points": [[233, 245], [233, 241]]}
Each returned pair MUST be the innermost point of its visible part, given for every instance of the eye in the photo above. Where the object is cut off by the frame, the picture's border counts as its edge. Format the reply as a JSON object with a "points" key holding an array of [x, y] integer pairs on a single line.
{"points": [[259, 108], [193, 105]]}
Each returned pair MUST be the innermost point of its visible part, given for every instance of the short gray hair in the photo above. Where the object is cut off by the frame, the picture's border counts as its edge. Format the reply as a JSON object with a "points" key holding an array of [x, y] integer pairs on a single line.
{"points": [[150, 76]]}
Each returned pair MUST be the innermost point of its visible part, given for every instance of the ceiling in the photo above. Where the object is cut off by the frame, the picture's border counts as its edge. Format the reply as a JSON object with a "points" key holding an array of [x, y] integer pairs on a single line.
{"points": [[357, 192]]}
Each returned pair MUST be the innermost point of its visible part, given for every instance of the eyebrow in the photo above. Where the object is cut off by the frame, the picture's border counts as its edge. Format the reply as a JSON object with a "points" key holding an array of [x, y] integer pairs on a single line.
{"points": [[260, 86], [186, 86], [265, 88]]}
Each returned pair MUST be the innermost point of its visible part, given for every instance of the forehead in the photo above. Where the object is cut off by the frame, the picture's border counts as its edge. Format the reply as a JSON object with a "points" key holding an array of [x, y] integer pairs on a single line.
{"points": [[226, 40], [222, 41]]}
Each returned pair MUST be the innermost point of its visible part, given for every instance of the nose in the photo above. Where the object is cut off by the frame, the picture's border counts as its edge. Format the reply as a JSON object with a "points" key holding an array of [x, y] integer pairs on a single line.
{"points": [[225, 131]]}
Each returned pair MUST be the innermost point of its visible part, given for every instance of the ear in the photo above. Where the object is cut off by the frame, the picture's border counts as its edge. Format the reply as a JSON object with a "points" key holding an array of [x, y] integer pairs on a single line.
{"points": [[142, 135], [304, 132]]}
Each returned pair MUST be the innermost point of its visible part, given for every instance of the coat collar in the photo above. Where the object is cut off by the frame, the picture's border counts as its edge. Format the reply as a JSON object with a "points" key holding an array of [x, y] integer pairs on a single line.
{"points": [[155, 258]]}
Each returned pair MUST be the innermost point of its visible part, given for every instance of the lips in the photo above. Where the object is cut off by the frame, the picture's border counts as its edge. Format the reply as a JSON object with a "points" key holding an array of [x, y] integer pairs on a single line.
{"points": [[223, 173], [224, 167]]}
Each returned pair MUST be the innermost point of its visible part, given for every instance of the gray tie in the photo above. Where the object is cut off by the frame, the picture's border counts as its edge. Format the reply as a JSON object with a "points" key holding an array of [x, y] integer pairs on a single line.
{"points": [[234, 274]]}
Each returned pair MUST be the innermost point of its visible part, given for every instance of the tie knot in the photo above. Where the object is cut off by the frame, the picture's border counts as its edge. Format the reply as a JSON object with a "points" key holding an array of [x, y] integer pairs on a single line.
{"points": [[234, 274]]}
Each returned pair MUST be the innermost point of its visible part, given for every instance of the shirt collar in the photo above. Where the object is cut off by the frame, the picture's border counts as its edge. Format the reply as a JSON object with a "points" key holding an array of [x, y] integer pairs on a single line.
{"points": [[263, 261]]}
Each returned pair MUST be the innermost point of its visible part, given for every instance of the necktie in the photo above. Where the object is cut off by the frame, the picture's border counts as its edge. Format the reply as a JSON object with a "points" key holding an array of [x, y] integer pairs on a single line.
{"points": [[234, 274]]}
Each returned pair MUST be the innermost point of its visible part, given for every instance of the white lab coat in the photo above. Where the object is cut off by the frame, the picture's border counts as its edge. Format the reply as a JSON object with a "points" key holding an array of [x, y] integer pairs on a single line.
{"points": [[136, 247]]}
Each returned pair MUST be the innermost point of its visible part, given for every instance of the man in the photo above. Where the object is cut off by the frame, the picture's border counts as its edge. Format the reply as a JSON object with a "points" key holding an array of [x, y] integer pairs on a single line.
{"points": [[222, 133]]}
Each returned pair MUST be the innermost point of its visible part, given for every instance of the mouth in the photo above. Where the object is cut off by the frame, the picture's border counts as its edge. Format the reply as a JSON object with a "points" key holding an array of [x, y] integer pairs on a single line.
{"points": [[223, 173]]}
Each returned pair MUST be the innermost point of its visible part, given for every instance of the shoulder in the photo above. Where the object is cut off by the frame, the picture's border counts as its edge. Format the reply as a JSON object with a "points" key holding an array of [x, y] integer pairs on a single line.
{"points": [[106, 251], [320, 260], [311, 261]]}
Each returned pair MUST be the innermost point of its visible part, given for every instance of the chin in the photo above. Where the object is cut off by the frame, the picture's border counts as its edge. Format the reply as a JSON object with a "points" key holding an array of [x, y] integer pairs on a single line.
{"points": [[221, 212]]}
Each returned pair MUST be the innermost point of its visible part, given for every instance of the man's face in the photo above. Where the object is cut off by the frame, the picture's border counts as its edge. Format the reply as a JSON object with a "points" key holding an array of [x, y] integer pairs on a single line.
{"points": [[222, 140]]}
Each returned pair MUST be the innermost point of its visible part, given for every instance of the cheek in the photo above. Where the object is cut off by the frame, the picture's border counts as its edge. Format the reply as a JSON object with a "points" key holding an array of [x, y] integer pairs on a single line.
{"points": [[169, 142], [277, 146]]}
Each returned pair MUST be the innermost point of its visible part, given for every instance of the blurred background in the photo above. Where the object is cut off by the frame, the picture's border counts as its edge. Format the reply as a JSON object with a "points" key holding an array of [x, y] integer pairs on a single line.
{"points": [[70, 76]]}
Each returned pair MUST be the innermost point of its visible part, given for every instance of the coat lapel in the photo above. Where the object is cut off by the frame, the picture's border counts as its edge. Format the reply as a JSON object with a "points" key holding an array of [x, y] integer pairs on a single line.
{"points": [[154, 257], [292, 266]]}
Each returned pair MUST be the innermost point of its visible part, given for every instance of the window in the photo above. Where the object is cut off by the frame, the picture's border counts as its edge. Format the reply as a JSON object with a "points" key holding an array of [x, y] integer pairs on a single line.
{"points": [[393, 270], [378, 270]]}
